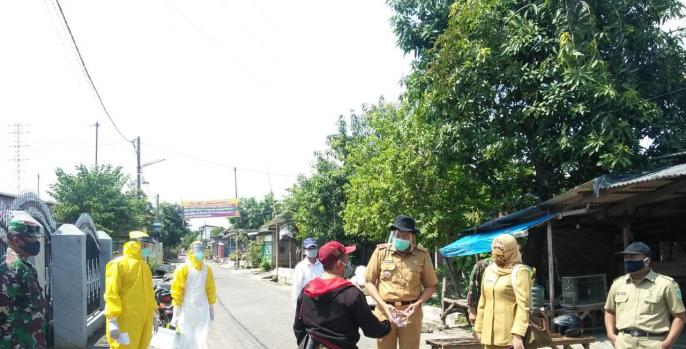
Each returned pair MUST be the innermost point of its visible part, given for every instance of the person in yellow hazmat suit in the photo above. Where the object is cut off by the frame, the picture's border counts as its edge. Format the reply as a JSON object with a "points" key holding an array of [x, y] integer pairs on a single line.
{"points": [[129, 299], [194, 295]]}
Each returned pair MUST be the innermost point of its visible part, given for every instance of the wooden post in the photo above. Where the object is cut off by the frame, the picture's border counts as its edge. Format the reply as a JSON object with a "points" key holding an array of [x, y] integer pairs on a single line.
{"points": [[443, 289], [627, 236], [551, 268], [452, 274]]}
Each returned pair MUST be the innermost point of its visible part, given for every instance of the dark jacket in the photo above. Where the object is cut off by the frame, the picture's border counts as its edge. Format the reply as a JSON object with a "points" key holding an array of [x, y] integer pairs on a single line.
{"points": [[332, 311]]}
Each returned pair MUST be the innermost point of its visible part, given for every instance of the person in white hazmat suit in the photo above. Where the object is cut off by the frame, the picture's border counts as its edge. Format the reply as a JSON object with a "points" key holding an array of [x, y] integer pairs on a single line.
{"points": [[194, 294]]}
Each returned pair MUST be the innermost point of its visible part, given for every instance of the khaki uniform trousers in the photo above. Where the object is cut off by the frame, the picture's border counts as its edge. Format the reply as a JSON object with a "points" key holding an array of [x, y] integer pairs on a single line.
{"points": [[407, 337], [625, 341], [488, 346]]}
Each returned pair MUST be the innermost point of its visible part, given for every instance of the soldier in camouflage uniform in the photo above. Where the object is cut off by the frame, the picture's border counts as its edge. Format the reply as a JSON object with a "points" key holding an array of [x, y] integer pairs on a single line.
{"points": [[22, 305]]}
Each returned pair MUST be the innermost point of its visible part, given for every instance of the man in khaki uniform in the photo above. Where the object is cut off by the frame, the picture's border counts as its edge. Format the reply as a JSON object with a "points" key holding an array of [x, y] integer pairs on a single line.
{"points": [[641, 304], [400, 278]]}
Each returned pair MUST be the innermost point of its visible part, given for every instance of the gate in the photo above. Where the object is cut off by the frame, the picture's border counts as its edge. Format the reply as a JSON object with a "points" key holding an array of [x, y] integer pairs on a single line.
{"points": [[94, 282]]}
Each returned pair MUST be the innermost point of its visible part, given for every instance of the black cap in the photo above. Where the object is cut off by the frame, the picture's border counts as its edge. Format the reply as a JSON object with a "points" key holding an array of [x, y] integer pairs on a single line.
{"points": [[637, 248], [405, 223]]}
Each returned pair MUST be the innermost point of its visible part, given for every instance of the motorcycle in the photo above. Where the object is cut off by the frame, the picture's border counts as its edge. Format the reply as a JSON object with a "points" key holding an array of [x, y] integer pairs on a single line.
{"points": [[163, 299]]}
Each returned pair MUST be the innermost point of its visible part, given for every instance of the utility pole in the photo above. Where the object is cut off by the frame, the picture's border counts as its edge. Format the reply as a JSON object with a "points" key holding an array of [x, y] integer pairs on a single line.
{"points": [[138, 164], [157, 210], [235, 181], [38, 186], [97, 126]]}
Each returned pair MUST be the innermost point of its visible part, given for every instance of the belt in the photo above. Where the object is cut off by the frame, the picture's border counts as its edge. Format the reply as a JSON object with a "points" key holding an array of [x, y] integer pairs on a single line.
{"points": [[399, 303], [638, 333]]}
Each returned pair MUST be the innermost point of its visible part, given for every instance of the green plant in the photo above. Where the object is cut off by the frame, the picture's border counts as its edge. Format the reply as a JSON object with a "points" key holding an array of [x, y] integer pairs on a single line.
{"points": [[254, 254], [266, 264]]}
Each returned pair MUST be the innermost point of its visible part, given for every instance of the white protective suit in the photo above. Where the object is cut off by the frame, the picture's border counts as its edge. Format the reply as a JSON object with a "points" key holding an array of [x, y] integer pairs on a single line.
{"points": [[198, 291]]}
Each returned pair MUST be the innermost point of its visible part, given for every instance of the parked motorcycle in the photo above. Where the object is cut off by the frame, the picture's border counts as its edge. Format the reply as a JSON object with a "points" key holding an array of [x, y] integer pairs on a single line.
{"points": [[164, 303]]}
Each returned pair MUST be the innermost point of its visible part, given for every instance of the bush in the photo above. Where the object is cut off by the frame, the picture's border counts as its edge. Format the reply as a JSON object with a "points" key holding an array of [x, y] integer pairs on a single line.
{"points": [[265, 265], [254, 254]]}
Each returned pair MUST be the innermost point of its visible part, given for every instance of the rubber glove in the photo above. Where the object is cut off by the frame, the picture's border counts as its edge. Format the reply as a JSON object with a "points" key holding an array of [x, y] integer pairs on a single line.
{"points": [[176, 312], [114, 328], [212, 312], [155, 323]]}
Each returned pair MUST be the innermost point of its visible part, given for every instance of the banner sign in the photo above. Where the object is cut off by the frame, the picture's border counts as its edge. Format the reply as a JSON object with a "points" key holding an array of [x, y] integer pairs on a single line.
{"points": [[210, 208]]}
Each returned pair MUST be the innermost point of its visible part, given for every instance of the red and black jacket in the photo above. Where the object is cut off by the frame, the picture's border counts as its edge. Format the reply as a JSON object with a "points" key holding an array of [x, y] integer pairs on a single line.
{"points": [[332, 311]]}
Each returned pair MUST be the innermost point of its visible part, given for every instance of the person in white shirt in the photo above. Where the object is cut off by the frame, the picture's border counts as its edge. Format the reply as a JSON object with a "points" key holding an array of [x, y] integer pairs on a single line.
{"points": [[307, 269]]}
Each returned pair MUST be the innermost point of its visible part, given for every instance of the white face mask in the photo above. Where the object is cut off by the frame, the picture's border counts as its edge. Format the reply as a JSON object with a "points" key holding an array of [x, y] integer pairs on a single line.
{"points": [[311, 253]]}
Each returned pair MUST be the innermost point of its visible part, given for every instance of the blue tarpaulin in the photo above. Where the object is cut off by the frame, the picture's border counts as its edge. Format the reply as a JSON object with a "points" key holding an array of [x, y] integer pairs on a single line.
{"points": [[481, 242]]}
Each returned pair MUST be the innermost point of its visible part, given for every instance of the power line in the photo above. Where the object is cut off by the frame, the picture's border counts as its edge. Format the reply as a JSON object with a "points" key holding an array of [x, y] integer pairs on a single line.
{"points": [[85, 70], [219, 164]]}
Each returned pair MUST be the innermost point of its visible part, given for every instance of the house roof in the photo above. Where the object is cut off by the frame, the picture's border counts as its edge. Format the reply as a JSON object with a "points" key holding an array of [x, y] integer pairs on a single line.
{"points": [[610, 193]]}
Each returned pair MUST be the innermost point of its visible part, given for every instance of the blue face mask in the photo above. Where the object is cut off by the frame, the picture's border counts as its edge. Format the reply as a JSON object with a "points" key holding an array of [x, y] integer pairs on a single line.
{"points": [[198, 256], [633, 266], [145, 252], [311, 253], [401, 245]]}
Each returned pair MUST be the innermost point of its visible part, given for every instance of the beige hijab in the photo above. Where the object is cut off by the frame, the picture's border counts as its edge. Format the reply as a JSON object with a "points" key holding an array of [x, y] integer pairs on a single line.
{"points": [[505, 254]]}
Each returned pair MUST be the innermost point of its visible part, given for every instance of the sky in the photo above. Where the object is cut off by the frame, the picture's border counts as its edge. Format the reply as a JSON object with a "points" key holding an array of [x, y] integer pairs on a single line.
{"points": [[207, 86]]}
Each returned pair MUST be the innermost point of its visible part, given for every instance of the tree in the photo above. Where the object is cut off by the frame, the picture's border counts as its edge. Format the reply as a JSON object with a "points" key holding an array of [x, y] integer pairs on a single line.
{"points": [[101, 191], [537, 96], [216, 231], [418, 23], [254, 213], [174, 227], [394, 171], [315, 205]]}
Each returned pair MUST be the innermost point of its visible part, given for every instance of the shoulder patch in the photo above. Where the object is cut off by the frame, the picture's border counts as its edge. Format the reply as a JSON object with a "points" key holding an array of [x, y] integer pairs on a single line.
{"points": [[382, 246]]}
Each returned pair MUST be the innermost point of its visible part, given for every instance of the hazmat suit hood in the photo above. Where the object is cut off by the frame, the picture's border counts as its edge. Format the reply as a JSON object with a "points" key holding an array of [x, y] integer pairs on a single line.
{"points": [[191, 257], [326, 289], [133, 249]]}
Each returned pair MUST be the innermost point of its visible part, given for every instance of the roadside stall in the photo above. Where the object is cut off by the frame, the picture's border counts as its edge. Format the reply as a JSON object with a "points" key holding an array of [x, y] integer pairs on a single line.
{"points": [[571, 239]]}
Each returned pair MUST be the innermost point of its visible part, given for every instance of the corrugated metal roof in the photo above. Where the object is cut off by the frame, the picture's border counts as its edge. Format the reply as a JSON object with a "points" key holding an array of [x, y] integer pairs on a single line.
{"points": [[611, 189], [665, 173]]}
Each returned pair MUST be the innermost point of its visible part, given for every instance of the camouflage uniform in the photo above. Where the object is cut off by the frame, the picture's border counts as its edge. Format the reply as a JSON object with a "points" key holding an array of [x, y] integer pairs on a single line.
{"points": [[22, 305]]}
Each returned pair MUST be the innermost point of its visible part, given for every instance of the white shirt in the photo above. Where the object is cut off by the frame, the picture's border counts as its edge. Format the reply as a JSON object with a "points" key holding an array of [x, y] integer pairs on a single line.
{"points": [[302, 274]]}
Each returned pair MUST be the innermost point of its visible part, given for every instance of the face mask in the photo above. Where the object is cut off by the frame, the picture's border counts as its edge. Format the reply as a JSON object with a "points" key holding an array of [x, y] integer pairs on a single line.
{"points": [[311, 253], [198, 256], [145, 252], [633, 266], [31, 247], [348, 270], [401, 245], [499, 257]]}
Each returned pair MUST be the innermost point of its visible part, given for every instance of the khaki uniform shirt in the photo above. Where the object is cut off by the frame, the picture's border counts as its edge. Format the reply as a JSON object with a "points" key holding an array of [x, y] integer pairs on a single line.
{"points": [[503, 306], [645, 305], [399, 276]]}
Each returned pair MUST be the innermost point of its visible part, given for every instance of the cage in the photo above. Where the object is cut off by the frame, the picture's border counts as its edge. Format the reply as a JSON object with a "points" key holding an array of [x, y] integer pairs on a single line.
{"points": [[583, 290]]}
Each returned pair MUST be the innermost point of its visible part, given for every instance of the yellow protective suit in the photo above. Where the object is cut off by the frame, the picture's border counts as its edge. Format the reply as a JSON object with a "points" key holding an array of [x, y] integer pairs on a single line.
{"points": [[178, 286], [129, 297]]}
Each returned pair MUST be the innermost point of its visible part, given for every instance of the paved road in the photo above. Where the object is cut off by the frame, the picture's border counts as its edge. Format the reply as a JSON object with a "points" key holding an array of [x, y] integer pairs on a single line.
{"points": [[254, 313]]}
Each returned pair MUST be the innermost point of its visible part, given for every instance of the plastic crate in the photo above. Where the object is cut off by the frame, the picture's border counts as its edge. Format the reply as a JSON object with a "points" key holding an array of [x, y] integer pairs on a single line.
{"points": [[583, 290]]}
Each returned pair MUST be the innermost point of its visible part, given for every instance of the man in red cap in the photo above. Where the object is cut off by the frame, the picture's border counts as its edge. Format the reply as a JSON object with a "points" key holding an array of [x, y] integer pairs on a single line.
{"points": [[331, 310]]}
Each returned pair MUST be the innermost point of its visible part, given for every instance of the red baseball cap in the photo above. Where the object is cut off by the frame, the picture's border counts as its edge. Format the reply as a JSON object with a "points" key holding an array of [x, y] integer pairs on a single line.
{"points": [[332, 251]]}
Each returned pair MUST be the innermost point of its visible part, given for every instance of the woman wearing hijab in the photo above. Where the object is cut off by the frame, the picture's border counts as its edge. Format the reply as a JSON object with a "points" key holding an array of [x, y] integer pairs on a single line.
{"points": [[503, 311], [194, 295]]}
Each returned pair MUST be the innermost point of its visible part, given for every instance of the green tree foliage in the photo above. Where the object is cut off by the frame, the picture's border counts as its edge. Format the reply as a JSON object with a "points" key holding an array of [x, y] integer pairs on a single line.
{"points": [[102, 192], [254, 213], [174, 227], [418, 23], [542, 95], [394, 171], [315, 204], [216, 231]]}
